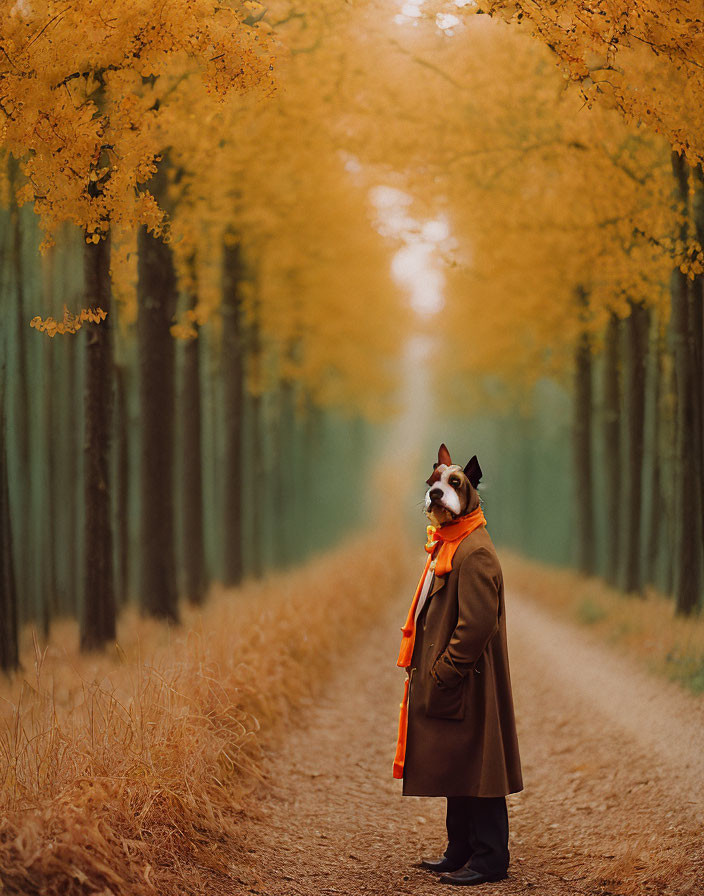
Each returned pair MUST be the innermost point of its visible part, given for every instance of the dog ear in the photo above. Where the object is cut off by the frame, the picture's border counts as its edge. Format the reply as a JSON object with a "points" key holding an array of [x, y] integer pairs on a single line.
{"points": [[443, 456], [473, 471]]}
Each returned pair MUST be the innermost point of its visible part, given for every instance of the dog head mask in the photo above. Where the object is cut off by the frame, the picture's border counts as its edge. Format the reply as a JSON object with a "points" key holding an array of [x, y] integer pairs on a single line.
{"points": [[451, 489]]}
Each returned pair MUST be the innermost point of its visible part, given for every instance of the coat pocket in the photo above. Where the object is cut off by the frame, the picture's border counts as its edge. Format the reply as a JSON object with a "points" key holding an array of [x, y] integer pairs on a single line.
{"points": [[446, 702]]}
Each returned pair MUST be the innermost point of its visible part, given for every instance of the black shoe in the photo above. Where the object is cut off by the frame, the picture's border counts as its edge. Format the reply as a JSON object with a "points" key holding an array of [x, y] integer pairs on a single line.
{"points": [[469, 877], [442, 864]]}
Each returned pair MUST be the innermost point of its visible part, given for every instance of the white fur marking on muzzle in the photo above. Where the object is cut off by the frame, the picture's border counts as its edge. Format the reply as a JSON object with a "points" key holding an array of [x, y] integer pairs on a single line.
{"points": [[450, 499]]}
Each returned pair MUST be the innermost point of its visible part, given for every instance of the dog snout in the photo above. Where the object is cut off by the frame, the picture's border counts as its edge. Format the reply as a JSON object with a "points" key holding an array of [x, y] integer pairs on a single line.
{"points": [[435, 494]]}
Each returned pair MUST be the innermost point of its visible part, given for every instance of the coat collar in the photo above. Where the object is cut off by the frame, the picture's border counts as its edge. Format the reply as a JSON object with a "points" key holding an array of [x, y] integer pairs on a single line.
{"points": [[438, 582]]}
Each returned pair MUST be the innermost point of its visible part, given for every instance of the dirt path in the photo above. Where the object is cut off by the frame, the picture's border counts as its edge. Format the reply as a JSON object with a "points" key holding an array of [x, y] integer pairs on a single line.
{"points": [[613, 767]]}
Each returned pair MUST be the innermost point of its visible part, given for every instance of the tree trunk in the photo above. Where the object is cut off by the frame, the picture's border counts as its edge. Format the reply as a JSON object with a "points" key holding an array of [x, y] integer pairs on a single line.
{"points": [[637, 327], [657, 502], [286, 459], [98, 617], [668, 422], [312, 522], [698, 338], [214, 454], [582, 443], [279, 435], [233, 398], [50, 529], [157, 296], [688, 546], [9, 651], [612, 445], [21, 428], [74, 476], [258, 474], [122, 485], [193, 545]]}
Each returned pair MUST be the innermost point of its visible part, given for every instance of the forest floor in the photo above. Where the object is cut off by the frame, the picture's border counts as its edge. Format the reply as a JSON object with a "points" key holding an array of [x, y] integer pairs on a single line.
{"points": [[612, 761]]}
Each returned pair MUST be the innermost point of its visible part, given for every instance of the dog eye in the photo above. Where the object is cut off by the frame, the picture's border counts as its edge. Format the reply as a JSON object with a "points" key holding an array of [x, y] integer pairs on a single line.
{"points": [[454, 481]]}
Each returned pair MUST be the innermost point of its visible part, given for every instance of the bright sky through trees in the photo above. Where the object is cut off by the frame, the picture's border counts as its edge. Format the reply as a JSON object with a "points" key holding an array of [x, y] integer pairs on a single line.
{"points": [[415, 265]]}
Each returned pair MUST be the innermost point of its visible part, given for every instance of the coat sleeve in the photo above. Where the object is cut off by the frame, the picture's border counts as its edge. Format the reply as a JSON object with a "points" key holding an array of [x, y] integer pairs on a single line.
{"points": [[477, 617]]}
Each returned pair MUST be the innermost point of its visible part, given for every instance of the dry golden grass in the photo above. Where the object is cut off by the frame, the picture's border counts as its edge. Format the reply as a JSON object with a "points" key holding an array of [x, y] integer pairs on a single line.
{"points": [[641, 865], [646, 627], [128, 773]]}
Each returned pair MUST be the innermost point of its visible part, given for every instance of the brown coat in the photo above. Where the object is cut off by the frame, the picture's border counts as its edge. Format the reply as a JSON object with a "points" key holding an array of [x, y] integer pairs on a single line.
{"points": [[461, 729]]}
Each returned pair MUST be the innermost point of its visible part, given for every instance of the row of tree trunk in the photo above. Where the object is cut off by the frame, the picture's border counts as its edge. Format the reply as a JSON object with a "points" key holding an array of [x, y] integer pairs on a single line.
{"points": [[650, 417], [221, 487]]}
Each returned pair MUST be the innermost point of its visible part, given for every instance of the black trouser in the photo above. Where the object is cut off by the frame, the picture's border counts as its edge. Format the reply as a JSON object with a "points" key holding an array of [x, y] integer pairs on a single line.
{"points": [[477, 832]]}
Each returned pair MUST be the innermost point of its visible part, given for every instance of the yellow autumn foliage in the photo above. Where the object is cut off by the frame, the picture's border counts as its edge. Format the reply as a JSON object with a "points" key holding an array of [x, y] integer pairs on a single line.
{"points": [[543, 189], [70, 323], [643, 58]]}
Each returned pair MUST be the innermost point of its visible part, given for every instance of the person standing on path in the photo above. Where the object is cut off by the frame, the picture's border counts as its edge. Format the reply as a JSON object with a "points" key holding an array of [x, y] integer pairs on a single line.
{"points": [[457, 733]]}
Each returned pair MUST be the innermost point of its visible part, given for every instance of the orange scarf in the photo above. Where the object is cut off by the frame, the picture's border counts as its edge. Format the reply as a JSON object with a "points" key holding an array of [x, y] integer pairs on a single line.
{"points": [[449, 537]]}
